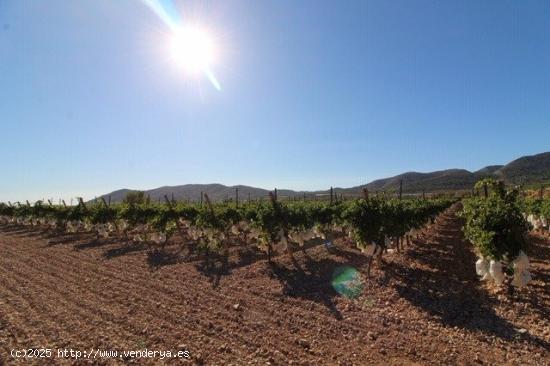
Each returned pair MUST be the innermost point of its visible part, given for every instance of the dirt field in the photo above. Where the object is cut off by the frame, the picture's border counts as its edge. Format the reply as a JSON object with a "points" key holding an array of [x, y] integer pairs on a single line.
{"points": [[419, 308]]}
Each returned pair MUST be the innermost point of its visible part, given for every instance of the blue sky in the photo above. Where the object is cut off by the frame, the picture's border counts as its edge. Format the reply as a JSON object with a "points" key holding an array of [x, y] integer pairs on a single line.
{"points": [[313, 93]]}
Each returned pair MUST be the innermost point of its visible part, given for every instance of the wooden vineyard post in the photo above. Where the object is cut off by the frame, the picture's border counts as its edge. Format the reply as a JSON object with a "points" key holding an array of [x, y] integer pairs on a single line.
{"points": [[541, 192], [106, 206], [331, 193], [82, 204], [209, 203], [109, 200], [423, 194], [248, 197], [400, 188], [237, 197], [211, 209], [366, 194], [173, 197], [273, 199], [65, 206], [485, 192], [104, 202], [202, 194], [171, 208]]}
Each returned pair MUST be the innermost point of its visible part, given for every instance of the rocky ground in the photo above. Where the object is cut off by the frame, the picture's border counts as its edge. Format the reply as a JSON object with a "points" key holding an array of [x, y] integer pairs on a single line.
{"points": [[422, 307]]}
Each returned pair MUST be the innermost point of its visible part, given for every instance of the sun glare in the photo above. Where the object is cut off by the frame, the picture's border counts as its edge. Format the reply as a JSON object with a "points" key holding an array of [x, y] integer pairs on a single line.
{"points": [[192, 49]]}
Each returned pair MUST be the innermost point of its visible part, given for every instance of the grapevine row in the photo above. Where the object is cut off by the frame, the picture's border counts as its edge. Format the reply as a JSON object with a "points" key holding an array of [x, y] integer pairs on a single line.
{"points": [[271, 225], [497, 224]]}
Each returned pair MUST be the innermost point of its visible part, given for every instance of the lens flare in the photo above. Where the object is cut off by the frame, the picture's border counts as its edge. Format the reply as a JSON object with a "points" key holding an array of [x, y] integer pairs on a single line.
{"points": [[191, 46], [347, 281], [166, 11]]}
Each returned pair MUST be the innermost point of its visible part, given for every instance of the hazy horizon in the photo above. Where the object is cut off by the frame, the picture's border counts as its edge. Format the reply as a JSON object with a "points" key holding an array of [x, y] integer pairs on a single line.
{"points": [[91, 195]]}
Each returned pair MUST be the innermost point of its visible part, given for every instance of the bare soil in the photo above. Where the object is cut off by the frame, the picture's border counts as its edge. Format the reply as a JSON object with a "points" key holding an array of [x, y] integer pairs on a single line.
{"points": [[422, 307]]}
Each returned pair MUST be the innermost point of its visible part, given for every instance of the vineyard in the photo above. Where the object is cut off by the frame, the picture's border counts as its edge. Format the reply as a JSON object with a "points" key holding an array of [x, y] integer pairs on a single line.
{"points": [[273, 226], [250, 282]]}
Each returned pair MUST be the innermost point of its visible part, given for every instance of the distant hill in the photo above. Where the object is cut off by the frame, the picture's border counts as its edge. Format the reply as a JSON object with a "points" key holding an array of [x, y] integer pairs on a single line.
{"points": [[193, 192], [525, 170], [444, 180]]}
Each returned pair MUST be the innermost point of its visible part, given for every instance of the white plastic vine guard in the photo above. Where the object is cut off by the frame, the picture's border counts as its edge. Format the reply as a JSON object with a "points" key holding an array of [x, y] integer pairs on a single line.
{"points": [[482, 267], [495, 269], [369, 249], [521, 278], [158, 238], [521, 262]]}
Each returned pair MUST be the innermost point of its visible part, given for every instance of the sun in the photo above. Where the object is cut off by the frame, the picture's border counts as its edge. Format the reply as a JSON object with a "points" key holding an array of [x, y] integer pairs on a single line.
{"points": [[192, 49]]}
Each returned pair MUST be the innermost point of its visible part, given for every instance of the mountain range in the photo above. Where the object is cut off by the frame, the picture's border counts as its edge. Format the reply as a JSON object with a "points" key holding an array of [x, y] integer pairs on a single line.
{"points": [[526, 170]]}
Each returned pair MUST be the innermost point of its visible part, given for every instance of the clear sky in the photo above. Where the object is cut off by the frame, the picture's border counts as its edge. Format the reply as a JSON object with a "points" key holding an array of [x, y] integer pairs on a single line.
{"points": [[313, 93]]}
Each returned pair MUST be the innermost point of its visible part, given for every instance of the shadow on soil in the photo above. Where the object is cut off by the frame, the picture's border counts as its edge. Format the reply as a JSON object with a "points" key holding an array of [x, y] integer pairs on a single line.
{"points": [[124, 250], [539, 249], [310, 279], [214, 266], [23, 231], [95, 243], [64, 238], [449, 290], [159, 257]]}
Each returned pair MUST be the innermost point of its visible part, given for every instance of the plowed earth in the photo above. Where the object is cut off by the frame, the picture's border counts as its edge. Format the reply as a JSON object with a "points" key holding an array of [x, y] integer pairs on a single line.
{"points": [[422, 307]]}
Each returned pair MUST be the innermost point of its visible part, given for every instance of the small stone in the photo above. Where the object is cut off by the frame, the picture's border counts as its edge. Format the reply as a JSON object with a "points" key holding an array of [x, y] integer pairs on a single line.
{"points": [[304, 343], [199, 359], [236, 306]]}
